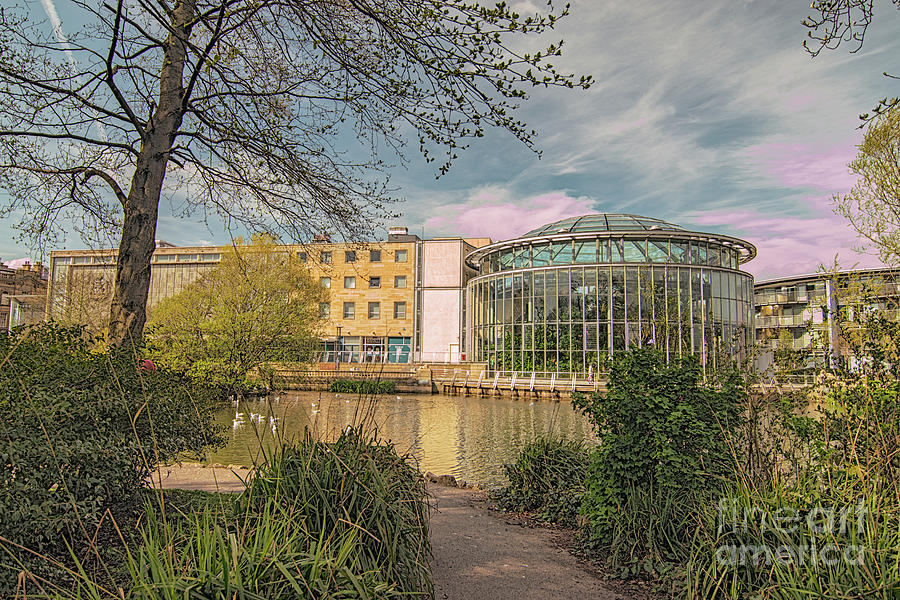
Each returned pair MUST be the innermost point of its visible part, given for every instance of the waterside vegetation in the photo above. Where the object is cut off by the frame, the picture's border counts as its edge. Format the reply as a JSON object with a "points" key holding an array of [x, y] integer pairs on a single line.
{"points": [[716, 489], [82, 430]]}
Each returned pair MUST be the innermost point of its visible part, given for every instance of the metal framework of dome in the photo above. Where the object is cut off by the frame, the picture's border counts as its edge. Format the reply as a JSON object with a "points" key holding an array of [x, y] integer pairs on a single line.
{"points": [[603, 222]]}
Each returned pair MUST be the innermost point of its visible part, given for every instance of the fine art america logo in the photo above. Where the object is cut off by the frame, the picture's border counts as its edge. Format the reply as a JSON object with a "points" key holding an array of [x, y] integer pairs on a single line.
{"points": [[787, 536]]}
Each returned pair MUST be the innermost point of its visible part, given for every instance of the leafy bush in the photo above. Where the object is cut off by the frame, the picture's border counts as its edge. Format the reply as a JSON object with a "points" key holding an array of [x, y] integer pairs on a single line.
{"points": [[364, 387], [663, 435], [354, 492], [80, 431], [548, 479]]}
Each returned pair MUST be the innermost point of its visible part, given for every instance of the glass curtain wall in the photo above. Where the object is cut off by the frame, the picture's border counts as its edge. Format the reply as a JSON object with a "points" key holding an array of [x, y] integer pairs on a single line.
{"points": [[554, 307]]}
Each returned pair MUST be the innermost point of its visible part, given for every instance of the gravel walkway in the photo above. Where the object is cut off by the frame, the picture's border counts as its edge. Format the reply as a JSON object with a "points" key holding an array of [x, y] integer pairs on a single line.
{"points": [[481, 554]]}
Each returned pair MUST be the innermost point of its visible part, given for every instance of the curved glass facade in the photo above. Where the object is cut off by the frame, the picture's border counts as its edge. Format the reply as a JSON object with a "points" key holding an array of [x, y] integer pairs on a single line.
{"points": [[566, 296]]}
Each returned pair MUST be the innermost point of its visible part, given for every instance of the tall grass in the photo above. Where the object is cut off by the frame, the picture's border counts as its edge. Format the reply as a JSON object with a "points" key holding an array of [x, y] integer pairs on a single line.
{"points": [[356, 484]]}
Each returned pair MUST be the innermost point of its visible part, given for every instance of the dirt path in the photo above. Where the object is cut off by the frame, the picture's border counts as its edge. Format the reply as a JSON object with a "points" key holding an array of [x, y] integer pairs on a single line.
{"points": [[480, 554]]}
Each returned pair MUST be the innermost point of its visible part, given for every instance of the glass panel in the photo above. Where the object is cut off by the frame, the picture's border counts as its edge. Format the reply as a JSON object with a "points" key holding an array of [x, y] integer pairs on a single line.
{"points": [[635, 251], [586, 252], [679, 252], [562, 253], [603, 250], [658, 251], [506, 260], [712, 257], [603, 294], [550, 296], [540, 255], [521, 258], [617, 291], [564, 311], [590, 295], [615, 251], [632, 298]]}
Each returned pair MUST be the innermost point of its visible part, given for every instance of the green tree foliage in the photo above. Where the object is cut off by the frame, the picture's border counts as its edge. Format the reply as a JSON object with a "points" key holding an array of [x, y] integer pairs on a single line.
{"points": [[80, 431], [662, 448], [260, 305], [270, 113], [873, 205]]}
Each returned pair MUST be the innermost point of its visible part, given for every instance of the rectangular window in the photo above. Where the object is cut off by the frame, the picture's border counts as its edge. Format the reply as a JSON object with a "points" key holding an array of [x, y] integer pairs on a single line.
{"points": [[400, 256], [324, 310], [399, 310], [350, 256], [349, 283], [326, 258], [187, 258], [374, 255], [374, 310], [325, 282], [301, 257], [540, 255], [374, 282], [399, 281], [159, 258], [349, 310]]}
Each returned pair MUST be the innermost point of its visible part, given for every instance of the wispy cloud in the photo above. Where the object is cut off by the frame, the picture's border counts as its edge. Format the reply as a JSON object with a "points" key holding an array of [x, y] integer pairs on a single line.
{"points": [[496, 214], [789, 245]]}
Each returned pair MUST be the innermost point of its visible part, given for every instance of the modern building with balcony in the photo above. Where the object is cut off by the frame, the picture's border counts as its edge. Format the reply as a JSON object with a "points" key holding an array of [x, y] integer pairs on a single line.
{"points": [[794, 312], [567, 296]]}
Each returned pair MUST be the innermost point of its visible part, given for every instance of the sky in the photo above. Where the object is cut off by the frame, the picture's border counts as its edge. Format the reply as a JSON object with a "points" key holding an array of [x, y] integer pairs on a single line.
{"points": [[708, 115]]}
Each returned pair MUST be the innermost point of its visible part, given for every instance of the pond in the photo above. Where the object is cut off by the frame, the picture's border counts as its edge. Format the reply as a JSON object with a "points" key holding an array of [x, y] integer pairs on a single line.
{"points": [[469, 438]]}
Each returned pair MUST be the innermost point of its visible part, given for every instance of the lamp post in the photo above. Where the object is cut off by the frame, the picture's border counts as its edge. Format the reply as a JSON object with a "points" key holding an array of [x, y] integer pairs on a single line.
{"points": [[340, 347]]}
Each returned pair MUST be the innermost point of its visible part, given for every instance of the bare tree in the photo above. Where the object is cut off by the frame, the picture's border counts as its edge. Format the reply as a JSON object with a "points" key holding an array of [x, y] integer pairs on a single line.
{"points": [[251, 109], [837, 21]]}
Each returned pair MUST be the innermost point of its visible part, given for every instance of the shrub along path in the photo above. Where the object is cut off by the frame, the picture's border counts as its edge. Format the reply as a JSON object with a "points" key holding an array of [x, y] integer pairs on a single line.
{"points": [[482, 554]]}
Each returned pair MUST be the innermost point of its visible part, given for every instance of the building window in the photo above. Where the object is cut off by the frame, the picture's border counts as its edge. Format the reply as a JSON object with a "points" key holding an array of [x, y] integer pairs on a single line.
{"points": [[326, 258], [399, 281], [374, 282], [325, 282], [400, 256], [374, 255], [399, 310], [349, 283], [350, 256], [324, 310], [374, 310], [301, 257], [349, 310]]}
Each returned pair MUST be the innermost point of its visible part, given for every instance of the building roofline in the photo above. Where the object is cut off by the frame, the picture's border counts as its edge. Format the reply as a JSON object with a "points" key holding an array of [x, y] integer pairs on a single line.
{"points": [[823, 275], [746, 250]]}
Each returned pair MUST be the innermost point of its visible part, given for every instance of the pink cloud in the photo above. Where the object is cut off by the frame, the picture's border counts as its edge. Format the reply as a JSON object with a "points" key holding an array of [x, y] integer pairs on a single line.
{"points": [[806, 165], [487, 215], [17, 262], [792, 245]]}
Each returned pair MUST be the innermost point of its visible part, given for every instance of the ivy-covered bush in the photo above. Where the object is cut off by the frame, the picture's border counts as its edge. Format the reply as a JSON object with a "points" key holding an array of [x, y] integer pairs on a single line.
{"points": [[548, 479], [663, 435], [80, 431]]}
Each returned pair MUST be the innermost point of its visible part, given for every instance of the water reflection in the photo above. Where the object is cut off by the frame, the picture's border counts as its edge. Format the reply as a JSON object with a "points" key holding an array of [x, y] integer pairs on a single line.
{"points": [[469, 438]]}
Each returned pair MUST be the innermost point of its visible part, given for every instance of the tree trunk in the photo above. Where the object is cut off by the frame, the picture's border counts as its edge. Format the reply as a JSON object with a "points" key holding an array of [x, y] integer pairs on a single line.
{"points": [[128, 310]]}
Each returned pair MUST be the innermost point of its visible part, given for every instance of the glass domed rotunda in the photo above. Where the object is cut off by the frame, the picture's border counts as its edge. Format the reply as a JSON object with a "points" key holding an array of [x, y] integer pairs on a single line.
{"points": [[565, 296]]}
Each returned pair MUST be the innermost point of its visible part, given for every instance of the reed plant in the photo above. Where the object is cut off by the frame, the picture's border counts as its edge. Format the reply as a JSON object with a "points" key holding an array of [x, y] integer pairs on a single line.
{"points": [[355, 484]]}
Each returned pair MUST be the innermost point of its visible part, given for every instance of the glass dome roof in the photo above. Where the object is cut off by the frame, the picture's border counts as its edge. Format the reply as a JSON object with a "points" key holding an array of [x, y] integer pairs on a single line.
{"points": [[603, 222]]}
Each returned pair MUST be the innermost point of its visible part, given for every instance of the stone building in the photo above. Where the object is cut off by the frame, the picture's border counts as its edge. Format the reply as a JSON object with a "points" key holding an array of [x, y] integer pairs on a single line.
{"points": [[395, 300], [30, 280]]}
